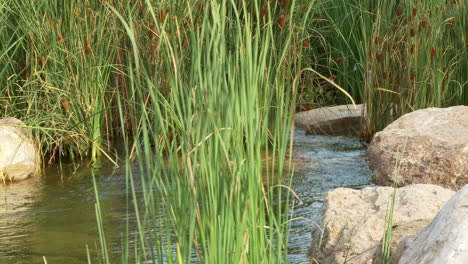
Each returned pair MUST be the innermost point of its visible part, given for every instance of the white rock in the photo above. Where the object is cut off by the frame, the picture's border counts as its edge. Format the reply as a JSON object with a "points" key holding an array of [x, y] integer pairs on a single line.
{"points": [[435, 144], [335, 120], [445, 240], [18, 154], [354, 220]]}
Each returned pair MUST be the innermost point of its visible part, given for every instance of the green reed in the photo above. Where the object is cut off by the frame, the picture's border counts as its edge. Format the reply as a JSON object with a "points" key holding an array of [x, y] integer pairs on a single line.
{"points": [[416, 59], [214, 88], [347, 28], [58, 70], [221, 96], [397, 56]]}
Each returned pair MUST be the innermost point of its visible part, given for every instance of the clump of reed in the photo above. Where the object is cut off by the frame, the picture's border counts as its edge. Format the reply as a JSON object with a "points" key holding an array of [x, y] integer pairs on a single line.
{"points": [[346, 28], [400, 55], [416, 59], [60, 62], [196, 91], [64, 71], [214, 93]]}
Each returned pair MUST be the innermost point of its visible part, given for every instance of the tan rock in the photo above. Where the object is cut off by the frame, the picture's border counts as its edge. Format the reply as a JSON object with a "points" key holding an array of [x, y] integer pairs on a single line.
{"points": [[18, 154], [335, 120], [435, 141], [353, 221], [445, 240]]}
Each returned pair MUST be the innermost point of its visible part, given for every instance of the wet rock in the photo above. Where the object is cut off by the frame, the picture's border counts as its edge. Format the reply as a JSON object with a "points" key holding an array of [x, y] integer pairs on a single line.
{"points": [[353, 221], [435, 144], [18, 155], [335, 120], [445, 240]]}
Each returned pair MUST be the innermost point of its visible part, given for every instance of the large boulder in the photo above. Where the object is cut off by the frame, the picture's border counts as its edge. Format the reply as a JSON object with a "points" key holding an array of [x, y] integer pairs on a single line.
{"points": [[18, 155], [429, 146], [445, 240], [336, 120], [353, 221]]}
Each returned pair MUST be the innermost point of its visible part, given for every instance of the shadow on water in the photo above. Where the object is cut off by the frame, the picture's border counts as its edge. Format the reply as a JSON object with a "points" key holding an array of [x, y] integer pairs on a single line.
{"points": [[54, 216]]}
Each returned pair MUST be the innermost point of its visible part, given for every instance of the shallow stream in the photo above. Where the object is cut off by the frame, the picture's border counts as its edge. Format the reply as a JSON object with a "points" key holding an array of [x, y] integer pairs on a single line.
{"points": [[54, 216]]}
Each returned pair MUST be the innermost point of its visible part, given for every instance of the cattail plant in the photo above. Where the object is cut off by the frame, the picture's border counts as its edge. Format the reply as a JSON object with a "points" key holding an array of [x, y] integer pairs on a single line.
{"points": [[399, 9], [282, 21], [427, 66], [340, 59]]}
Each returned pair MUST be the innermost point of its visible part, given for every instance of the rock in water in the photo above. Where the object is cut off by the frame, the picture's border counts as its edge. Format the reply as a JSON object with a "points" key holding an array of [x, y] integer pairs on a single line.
{"points": [[335, 120], [445, 240], [18, 154], [430, 145], [353, 221]]}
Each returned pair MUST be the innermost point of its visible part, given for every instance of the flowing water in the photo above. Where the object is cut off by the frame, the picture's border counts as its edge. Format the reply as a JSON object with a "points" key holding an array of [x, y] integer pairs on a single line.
{"points": [[336, 162], [54, 217]]}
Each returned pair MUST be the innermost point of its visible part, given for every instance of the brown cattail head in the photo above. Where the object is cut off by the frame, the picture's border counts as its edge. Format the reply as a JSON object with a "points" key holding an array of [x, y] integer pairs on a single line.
{"points": [[43, 60], [415, 11], [332, 77], [378, 40], [60, 37], [64, 104], [87, 42], [340, 59], [385, 75], [286, 3], [305, 44], [399, 9], [395, 27], [282, 21], [379, 57], [412, 32], [433, 52], [263, 11], [87, 50], [161, 16], [424, 22]]}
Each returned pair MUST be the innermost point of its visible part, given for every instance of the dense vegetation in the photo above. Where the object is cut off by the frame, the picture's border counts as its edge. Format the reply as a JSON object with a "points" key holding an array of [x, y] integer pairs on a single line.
{"points": [[199, 91]]}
